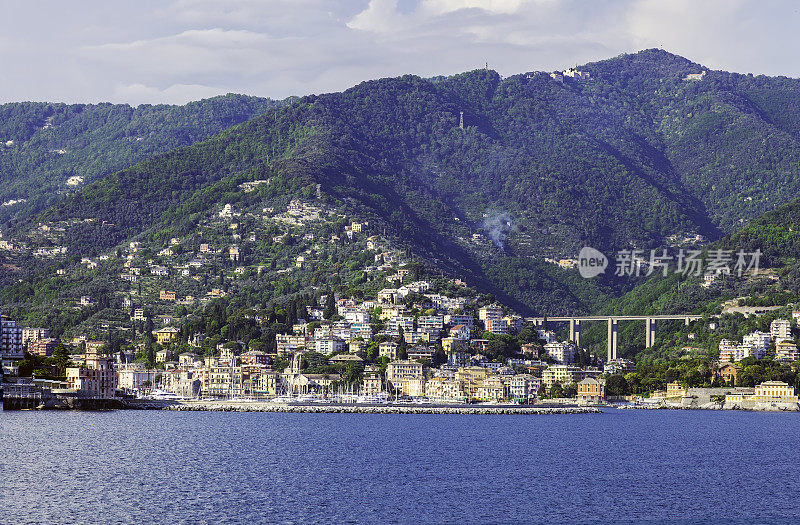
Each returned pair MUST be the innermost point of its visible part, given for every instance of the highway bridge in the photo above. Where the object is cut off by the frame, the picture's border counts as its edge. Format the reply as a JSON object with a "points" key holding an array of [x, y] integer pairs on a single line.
{"points": [[576, 322]]}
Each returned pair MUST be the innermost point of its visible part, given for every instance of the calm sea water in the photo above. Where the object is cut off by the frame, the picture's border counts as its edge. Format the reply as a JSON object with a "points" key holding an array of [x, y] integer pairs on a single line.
{"points": [[174, 467]]}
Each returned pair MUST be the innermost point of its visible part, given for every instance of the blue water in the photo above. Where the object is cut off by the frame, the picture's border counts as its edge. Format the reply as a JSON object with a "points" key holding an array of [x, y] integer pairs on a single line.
{"points": [[180, 467]]}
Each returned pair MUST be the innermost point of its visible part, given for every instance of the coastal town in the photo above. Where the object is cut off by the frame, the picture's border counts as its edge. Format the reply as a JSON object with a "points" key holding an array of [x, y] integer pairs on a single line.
{"points": [[407, 344]]}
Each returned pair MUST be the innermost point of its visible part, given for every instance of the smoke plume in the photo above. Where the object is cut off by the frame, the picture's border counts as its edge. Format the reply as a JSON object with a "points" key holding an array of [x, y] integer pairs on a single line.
{"points": [[497, 224]]}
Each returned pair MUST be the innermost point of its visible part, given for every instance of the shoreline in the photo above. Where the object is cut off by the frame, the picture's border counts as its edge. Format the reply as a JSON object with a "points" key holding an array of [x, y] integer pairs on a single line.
{"points": [[228, 406]]}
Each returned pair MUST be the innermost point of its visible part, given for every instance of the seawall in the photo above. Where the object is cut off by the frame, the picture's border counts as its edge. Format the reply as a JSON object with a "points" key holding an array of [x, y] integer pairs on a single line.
{"points": [[377, 409]]}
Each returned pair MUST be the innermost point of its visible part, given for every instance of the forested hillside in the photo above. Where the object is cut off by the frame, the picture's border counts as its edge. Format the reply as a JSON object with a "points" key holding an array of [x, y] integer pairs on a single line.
{"points": [[638, 155], [48, 150]]}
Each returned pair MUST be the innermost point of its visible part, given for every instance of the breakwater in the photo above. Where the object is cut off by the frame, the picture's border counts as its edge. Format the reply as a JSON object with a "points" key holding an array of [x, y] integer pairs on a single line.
{"points": [[378, 409]]}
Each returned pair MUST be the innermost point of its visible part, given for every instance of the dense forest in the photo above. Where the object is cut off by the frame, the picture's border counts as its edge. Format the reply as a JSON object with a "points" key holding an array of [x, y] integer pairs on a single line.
{"points": [[43, 146]]}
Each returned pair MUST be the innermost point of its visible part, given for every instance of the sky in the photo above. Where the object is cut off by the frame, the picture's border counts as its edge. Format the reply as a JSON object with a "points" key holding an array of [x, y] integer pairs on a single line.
{"points": [[174, 51]]}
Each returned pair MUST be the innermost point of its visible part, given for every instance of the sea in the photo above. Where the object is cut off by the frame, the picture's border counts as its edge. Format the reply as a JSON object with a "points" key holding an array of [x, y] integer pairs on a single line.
{"points": [[621, 466]]}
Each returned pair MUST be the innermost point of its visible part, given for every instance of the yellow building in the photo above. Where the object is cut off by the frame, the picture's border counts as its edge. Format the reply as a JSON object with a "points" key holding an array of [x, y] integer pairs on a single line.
{"points": [[265, 383], [372, 383], [443, 388], [676, 390], [388, 349], [451, 345], [97, 378], [563, 374], [389, 311], [471, 377], [774, 391], [414, 387], [167, 335], [492, 389], [397, 371]]}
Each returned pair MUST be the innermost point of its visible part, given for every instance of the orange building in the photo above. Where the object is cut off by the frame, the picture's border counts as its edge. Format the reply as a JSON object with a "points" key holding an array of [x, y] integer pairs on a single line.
{"points": [[591, 390], [728, 373]]}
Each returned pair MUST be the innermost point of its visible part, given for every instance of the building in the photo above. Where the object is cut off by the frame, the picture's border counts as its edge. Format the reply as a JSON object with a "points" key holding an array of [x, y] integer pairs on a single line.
{"points": [[591, 390], [446, 389], [759, 340], [727, 372], [523, 388], [576, 74], [43, 347], [289, 344], [166, 295], [397, 371], [619, 366], [562, 374], [135, 377], [388, 349], [162, 356], [455, 320], [97, 378], [774, 391], [388, 296], [563, 353], [676, 389], [34, 334], [12, 339], [514, 323], [187, 359], [491, 388], [786, 352], [254, 357], [496, 326], [329, 345], [265, 383], [492, 311], [225, 380], [460, 331], [431, 324], [471, 377], [780, 329], [372, 383], [394, 325], [167, 335], [421, 352]]}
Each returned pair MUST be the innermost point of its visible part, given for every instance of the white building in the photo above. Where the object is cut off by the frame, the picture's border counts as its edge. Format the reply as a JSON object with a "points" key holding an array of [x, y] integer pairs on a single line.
{"points": [[329, 345], [563, 352], [780, 329]]}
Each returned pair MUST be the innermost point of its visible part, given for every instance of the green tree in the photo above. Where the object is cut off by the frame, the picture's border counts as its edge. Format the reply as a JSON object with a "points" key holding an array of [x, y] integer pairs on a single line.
{"points": [[402, 346], [556, 390], [616, 385], [330, 305]]}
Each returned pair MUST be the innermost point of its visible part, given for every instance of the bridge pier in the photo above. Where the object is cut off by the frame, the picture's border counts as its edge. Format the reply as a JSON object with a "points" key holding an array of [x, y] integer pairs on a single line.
{"points": [[649, 332], [575, 331], [613, 331]]}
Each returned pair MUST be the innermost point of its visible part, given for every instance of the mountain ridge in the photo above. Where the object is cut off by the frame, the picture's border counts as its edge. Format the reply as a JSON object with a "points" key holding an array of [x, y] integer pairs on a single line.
{"points": [[631, 157]]}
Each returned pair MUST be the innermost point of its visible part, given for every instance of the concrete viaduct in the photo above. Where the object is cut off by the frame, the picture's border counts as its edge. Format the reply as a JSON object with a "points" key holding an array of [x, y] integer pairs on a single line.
{"points": [[613, 326]]}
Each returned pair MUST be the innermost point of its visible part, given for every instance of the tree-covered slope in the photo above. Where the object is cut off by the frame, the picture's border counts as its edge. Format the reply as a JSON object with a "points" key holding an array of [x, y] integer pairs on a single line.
{"points": [[48, 150], [628, 158]]}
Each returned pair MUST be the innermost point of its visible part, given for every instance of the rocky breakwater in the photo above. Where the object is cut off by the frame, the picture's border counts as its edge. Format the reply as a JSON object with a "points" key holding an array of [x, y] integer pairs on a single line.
{"points": [[379, 409]]}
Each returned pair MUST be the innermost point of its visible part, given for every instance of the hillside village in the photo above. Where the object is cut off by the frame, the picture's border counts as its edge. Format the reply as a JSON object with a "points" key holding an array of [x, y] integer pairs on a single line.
{"points": [[373, 324]]}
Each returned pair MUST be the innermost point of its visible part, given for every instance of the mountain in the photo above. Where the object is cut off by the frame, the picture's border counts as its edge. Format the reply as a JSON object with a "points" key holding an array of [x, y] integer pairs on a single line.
{"points": [[650, 149], [50, 150]]}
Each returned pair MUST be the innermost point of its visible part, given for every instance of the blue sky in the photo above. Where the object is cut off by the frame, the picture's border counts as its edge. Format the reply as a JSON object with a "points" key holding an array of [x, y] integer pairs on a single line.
{"points": [[173, 51]]}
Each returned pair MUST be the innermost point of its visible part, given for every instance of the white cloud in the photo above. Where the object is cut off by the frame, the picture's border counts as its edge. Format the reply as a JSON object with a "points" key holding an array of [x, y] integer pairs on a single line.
{"points": [[174, 94], [154, 50]]}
